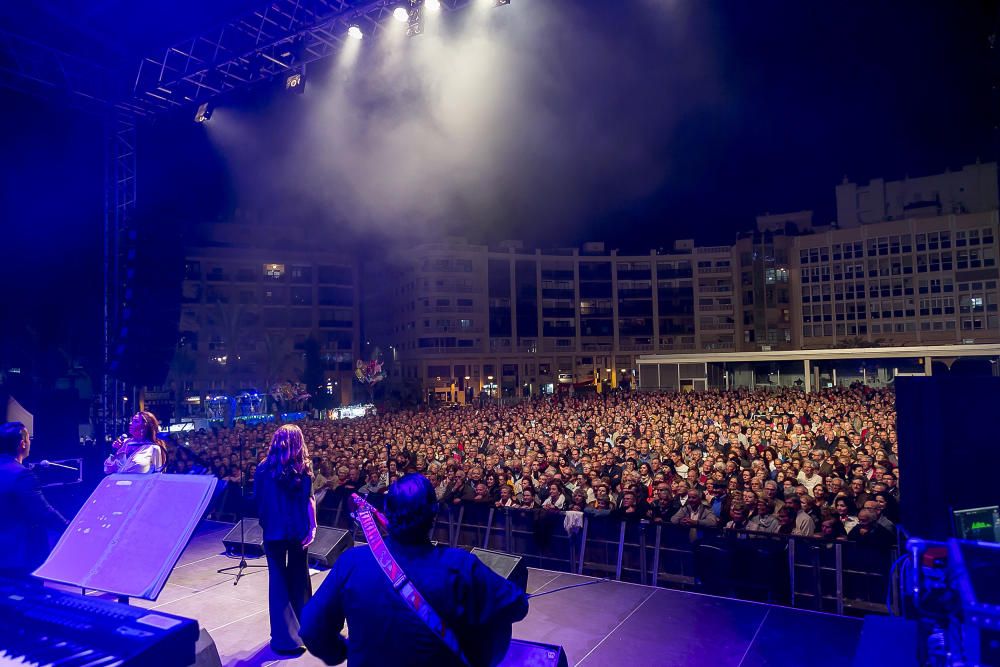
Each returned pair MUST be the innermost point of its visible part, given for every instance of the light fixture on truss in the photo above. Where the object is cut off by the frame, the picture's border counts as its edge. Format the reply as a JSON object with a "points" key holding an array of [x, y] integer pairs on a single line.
{"points": [[204, 113]]}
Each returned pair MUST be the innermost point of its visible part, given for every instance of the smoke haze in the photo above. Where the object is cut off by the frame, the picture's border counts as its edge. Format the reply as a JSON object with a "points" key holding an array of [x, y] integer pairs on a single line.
{"points": [[496, 123]]}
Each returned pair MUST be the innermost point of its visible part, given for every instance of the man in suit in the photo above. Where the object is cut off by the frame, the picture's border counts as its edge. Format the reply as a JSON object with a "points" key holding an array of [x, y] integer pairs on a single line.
{"points": [[25, 515]]}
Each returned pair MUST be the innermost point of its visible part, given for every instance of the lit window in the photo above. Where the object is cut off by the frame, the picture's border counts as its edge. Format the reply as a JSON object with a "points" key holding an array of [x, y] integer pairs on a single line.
{"points": [[274, 271]]}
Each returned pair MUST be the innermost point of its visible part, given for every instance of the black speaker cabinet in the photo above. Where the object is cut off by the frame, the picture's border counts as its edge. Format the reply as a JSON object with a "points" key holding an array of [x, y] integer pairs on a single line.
{"points": [[508, 566], [534, 654], [329, 544], [253, 537], [947, 428]]}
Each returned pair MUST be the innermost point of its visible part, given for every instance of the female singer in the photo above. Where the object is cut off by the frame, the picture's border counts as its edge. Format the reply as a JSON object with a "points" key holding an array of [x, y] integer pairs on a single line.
{"points": [[141, 451], [287, 510]]}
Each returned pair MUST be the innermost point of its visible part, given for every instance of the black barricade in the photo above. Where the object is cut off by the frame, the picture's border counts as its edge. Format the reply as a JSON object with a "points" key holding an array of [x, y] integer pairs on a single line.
{"points": [[806, 556], [540, 536], [474, 520], [332, 511], [634, 563], [229, 503], [866, 576], [602, 546], [444, 524], [674, 556], [837, 577]]}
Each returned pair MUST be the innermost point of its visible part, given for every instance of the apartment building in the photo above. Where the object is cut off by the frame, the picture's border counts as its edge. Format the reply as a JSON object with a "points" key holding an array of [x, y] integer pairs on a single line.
{"points": [[971, 189], [915, 281], [253, 294], [461, 319]]}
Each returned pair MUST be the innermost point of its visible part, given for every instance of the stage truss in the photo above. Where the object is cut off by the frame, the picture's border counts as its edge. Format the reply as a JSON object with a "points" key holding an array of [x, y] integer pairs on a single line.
{"points": [[278, 38]]}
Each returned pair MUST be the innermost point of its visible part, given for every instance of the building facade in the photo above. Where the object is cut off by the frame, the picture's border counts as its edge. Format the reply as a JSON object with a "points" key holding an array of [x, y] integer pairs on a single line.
{"points": [[461, 319], [917, 281], [972, 189], [253, 295]]}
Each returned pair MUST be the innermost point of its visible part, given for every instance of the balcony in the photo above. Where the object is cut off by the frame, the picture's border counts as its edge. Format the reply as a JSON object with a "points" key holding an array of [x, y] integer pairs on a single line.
{"points": [[528, 345], [558, 345], [672, 274], [558, 332], [635, 347], [500, 345], [634, 274], [635, 292]]}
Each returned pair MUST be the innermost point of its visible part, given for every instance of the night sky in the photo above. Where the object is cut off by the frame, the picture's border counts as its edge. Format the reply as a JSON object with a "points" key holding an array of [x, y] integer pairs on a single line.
{"points": [[635, 122]]}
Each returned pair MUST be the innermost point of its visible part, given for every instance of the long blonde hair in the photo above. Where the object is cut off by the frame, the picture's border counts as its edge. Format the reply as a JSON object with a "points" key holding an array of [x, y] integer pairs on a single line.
{"points": [[287, 454]]}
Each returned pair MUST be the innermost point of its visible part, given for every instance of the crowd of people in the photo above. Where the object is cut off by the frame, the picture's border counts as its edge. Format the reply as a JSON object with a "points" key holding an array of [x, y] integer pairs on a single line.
{"points": [[820, 464]]}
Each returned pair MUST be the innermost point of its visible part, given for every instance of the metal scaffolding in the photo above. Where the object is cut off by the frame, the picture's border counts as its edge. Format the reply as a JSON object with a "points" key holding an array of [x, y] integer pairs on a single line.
{"points": [[279, 37], [119, 217], [42, 71], [258, 46]]}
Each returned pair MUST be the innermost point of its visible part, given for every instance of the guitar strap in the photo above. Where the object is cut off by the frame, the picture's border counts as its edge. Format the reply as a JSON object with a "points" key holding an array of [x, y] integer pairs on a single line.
{"points": [[402, 585]]}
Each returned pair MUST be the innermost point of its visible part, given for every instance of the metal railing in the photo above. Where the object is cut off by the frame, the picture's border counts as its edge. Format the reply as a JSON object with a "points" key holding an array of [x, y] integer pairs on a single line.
{"points": [[833, 576]]}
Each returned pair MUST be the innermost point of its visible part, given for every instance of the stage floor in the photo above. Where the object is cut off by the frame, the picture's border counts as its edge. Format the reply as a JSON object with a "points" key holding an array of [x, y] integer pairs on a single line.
{"points": [[608, 623]]}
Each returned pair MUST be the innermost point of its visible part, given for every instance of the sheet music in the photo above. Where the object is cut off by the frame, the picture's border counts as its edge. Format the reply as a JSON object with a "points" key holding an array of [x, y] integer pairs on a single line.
{"points": [[129, 534]]}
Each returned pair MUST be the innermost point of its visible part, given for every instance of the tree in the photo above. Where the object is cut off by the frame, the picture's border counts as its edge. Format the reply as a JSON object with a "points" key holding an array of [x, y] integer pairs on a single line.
{"points": [[278, 355], [314, 376], [228, 326], [183, 367]]}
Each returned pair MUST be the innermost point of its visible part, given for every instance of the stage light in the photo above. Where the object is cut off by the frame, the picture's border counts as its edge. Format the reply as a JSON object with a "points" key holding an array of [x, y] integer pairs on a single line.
{"points": [[354, 32], [415, 22], [400, 14], [432, 5], [295, 82], [203, 114]]}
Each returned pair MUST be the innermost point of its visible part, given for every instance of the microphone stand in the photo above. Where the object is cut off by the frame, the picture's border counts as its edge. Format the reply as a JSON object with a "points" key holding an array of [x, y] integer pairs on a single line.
{"points": [[388, 460], [243, 565]]}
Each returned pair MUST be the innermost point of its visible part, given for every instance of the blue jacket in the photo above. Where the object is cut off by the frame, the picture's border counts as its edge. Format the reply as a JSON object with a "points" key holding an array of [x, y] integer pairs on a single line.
{"points": [[25, 519], [477, 604], [283, 508]]}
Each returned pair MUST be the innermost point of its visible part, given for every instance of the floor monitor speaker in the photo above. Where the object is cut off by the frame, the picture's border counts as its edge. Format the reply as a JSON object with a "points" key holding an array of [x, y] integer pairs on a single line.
{"points": [[329, 544], [253, 537], [508, 566]]}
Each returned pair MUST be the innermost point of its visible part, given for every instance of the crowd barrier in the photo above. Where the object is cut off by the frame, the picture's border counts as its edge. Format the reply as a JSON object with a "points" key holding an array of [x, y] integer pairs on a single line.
{"points": [[833, 576]]}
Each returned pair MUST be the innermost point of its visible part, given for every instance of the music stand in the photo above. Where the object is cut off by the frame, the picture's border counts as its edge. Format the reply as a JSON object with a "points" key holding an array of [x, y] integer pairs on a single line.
{"points": [[128, 535], [243, 564]]}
